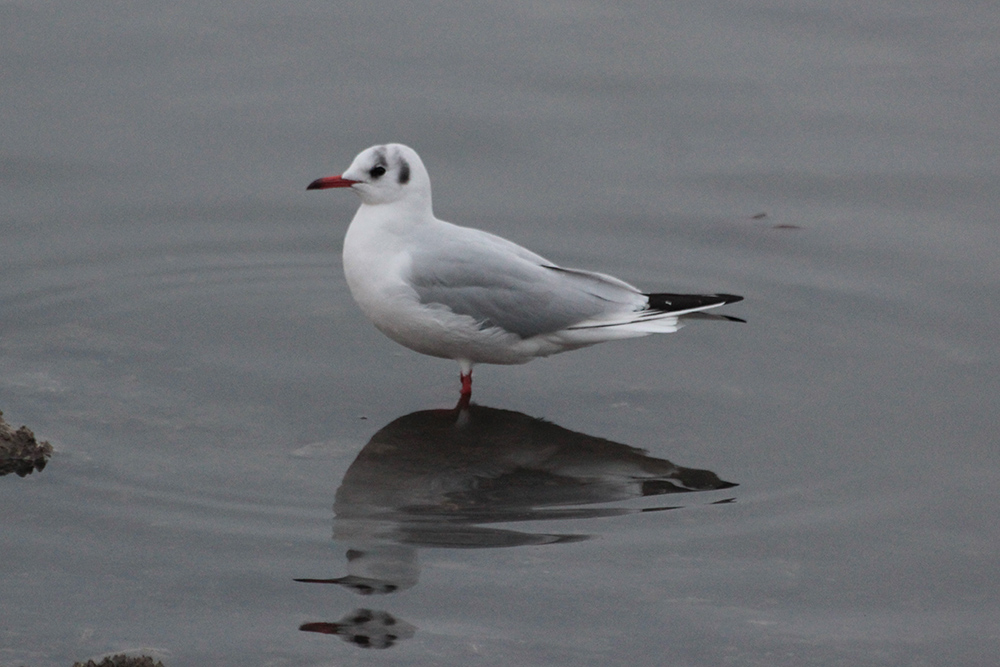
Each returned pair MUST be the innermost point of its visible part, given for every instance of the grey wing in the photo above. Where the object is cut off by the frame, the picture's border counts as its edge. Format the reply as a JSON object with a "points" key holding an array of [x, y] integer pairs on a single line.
{"points": [[518, 293]]}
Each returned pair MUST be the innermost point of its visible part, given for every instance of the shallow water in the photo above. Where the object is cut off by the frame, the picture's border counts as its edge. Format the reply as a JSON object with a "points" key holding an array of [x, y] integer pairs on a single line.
{"points": [[174, 320]]}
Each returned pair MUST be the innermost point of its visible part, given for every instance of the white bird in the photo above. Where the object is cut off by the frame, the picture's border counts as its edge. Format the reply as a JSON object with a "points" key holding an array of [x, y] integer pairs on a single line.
{"points": [[468, 295]]}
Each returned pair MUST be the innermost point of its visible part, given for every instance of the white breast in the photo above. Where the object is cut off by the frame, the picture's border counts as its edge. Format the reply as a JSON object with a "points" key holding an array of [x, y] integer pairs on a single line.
{"points": [[377, 265]]}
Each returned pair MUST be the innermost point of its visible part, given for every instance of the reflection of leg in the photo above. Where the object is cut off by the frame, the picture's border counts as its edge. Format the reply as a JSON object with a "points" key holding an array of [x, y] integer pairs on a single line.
{"points": [[365, 628]]}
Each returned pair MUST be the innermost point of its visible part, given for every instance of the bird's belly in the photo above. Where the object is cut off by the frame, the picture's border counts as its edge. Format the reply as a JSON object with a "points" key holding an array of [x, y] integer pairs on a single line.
{"points": [[433, 329], [378, 285]]}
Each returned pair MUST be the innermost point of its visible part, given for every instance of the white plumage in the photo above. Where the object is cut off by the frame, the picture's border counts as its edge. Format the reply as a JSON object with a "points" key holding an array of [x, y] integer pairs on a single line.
{"points": [[471, 296]]}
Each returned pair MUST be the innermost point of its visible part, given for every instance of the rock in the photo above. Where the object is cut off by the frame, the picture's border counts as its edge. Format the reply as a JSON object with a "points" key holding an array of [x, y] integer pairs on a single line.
{"points": [[19, 451], [121, 661]]}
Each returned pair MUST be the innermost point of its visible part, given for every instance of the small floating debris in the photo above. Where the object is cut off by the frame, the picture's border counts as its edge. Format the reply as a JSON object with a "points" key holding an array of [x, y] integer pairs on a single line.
{"points": [[20, 453], [781, 225], [121, 660]]}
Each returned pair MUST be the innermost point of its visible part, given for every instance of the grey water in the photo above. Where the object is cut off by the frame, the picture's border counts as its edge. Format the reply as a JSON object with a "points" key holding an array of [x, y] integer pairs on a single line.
{"points": [[247, 473]]}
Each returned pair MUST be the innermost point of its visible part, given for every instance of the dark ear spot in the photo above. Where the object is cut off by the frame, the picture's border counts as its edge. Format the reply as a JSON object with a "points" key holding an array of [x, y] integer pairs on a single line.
{"points": [[404, 171]]}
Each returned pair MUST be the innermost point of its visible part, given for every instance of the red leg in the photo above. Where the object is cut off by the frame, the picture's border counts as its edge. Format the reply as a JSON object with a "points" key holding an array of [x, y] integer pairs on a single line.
{"points": [[465, 375], [466, 379]]}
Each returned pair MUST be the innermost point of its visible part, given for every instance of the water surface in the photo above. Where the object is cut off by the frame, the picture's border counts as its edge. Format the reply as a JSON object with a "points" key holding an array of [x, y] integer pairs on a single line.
{"points": [[174, 320]]}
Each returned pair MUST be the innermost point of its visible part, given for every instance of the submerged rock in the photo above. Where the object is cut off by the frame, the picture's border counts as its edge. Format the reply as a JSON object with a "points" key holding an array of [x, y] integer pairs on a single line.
{"points": [[19, 451], [121, 661]]}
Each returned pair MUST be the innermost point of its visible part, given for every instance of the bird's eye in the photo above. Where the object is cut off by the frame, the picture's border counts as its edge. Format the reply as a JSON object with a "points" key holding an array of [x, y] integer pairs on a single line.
{"points": [[377, 171]]}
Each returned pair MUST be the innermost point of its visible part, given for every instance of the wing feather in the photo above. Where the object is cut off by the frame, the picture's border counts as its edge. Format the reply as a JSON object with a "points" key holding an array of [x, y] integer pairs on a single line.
{"points": [[500, 284]]}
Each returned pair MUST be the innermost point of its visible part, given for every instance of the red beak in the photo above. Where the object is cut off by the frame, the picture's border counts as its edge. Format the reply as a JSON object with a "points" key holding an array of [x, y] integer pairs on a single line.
{"points": [[331, 182]]}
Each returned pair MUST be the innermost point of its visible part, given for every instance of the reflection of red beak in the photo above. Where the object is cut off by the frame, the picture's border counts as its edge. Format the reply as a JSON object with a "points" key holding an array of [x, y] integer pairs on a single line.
{"points": [[325, 628], [331, 182]]}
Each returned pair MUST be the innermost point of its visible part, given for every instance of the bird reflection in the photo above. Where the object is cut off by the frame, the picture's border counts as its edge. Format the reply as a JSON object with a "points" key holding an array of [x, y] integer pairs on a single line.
{"points": [[438, 478], [365, 628]]}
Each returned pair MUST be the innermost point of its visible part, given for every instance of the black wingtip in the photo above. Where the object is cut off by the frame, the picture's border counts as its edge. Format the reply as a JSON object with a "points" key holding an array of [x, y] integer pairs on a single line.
{"points": [[667, 302], [729, 298]]}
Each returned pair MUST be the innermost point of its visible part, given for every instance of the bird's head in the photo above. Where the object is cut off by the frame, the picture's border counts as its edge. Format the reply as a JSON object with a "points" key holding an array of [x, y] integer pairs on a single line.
{"points": [[384, 175]]}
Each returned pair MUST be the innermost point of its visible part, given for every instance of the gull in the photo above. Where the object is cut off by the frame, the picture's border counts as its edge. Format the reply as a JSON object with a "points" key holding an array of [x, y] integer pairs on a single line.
{"points": [[465, 294]]}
